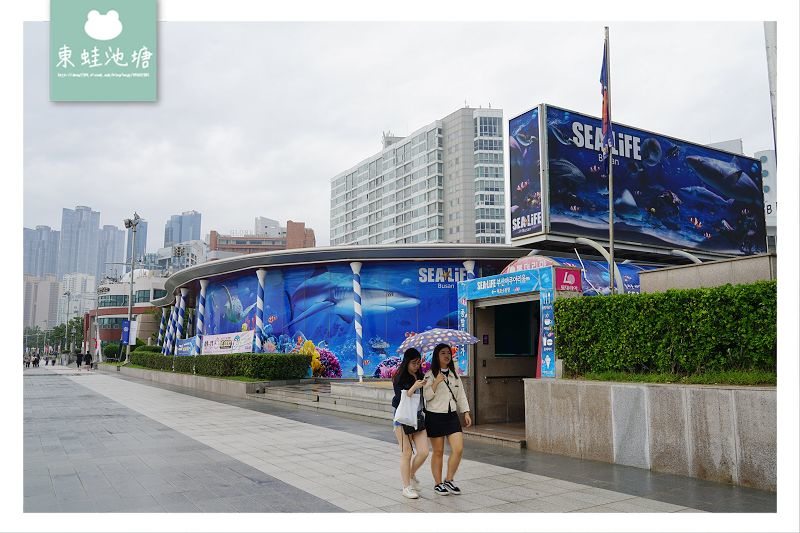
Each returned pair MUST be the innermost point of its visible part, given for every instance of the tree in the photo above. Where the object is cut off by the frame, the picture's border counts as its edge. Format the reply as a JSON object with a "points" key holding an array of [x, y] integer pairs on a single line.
{"points": [[76, 332]]}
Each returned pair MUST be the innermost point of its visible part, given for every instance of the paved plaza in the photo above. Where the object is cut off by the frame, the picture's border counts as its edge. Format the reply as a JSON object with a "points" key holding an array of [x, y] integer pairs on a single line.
{"points": [[118, 444]]}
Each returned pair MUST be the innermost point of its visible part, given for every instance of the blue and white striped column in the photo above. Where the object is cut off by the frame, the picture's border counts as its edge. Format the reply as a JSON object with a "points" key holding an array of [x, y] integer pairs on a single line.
{"points": [[201, 314], [181, 313], [470, 267], [356, 268], [262, 278], [171, 328], [162, 327]]}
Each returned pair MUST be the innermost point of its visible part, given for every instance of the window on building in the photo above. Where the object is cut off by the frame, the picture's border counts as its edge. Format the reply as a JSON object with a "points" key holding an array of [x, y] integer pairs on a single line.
{"points": [[141, 296], [113, 300]]}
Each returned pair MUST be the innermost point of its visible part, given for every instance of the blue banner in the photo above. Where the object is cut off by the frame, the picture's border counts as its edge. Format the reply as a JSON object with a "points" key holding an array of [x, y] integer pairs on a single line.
{"points": [[524, 172], [508, 284], [186, 347], [126, 328], [668, 193], [547, 342]]}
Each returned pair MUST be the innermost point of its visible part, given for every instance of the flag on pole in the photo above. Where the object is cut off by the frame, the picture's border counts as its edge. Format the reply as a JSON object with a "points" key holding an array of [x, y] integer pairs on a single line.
{"points": [[608, 136]]}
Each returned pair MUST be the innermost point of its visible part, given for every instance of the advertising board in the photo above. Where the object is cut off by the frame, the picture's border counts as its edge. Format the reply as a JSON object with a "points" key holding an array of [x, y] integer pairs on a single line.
{"points": [[524, 143], [668, 193]]}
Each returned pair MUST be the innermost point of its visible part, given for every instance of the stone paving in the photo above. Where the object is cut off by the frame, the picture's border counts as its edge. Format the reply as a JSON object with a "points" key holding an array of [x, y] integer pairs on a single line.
{"points": [[135, 447]]}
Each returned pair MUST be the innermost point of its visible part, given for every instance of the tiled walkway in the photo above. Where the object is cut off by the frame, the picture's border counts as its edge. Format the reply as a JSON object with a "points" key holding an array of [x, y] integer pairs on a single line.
{"points": [[149, 448]]}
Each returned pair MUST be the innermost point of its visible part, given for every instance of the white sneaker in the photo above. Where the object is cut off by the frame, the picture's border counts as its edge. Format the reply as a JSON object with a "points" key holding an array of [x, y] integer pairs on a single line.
{"points": [[409, 492], [415, 482]]}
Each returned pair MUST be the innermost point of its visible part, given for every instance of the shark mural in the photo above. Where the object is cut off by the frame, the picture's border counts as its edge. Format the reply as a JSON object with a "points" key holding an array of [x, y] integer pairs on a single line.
{"points": [[315, 302]]}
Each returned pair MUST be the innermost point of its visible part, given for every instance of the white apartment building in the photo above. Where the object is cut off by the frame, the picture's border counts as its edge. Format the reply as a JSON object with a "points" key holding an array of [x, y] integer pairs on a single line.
{"points": [[442, 183]]}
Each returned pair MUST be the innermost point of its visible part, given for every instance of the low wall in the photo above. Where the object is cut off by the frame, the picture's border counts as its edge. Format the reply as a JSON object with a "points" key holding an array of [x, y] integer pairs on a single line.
{"points": [[719, 433], [737, 270], [227, 387]]}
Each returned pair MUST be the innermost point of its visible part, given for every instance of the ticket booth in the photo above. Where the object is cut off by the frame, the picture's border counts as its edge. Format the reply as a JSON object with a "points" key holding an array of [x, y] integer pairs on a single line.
{"points": [[512, 316]]}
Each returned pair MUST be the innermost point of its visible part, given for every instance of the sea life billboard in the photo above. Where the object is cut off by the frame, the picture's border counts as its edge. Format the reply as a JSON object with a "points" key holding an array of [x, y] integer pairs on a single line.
{"points": [[315, 303], [668, 193], [525, 176]]}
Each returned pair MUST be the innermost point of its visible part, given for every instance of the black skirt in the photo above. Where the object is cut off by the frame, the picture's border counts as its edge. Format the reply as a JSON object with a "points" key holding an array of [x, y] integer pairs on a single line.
{"points": [[442, 424]]}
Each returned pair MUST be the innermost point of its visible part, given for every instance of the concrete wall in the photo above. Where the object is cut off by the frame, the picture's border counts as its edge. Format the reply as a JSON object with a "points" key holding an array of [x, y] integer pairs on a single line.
{"points": [[227, 387], [719, 433], [711, 274]]}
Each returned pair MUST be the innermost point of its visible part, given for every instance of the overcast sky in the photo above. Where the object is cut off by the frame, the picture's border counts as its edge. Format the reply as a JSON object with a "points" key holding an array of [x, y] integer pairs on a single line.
{"points": [[255, 118]]}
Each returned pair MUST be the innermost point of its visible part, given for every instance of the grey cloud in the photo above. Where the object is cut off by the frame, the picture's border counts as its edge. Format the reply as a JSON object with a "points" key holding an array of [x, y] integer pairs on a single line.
{"points": [[255, 118]]}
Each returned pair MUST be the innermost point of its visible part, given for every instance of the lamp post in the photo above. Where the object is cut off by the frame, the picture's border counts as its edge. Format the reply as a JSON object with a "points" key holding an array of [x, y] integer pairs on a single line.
{"points": [[131, 223], [68, 294]]}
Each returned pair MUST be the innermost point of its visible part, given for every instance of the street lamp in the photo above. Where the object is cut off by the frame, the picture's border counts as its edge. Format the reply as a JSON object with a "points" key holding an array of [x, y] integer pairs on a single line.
{"points": [[68, 294], [131, 223]]}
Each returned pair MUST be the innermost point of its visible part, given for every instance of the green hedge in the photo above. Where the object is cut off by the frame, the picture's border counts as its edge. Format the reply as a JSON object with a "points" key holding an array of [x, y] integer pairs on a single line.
{"points": [[145, 348], [267, 366], [685, 331], [111, 350]]}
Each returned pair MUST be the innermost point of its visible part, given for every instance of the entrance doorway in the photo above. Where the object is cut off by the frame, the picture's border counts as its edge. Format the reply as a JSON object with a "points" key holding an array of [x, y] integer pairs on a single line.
{"points": [[506, 353]]}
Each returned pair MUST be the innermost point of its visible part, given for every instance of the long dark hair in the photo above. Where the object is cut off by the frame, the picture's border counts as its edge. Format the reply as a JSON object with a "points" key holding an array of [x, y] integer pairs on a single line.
{"points": [[402, 370], [435, 368]]}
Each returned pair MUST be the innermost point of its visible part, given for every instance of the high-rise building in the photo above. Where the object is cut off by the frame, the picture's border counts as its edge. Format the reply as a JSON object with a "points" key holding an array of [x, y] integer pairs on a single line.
{"points": [[141, 243], [182, 228], [110, 252], [40, 307], [40, 251], [769, 169], [80, 230], [442, 183]]}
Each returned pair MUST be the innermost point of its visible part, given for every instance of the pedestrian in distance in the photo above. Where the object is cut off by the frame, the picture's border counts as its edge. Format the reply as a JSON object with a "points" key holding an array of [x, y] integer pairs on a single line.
{"points": [[78, 360], [408, 380], [87, 360], [445, 397]]}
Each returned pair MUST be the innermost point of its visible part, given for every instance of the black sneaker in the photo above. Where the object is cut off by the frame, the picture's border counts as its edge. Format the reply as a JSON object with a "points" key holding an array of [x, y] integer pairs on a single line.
{"points": [[441, 490], [451, 488]]}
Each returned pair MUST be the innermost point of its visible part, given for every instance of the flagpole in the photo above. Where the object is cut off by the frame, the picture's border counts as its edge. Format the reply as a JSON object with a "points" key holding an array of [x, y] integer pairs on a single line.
{"points": [[611, 269]]}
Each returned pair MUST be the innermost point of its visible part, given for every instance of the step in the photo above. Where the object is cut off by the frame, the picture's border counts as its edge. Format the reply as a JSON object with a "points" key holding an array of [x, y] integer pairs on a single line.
{"points": [[357, 403], [290, 395], [322, 406], [507, 441]]}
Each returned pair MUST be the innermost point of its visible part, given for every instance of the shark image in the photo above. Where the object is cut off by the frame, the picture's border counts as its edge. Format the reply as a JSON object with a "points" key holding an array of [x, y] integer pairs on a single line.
{"points": [[703, 195], [725, 178], [326, 291], [233, 308]]}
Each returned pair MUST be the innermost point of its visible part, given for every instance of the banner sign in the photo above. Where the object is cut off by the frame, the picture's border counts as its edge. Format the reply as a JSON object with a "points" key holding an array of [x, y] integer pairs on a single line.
{"points": [[125, 331], [667, 192], [548, 341], [524, 170], [240, 342], [134, 332], [508, 284], [186, 347], [568, 279]]}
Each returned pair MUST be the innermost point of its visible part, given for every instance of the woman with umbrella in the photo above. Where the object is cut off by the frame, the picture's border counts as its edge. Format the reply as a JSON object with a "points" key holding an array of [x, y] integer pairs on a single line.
{"points": [[445, 397]]}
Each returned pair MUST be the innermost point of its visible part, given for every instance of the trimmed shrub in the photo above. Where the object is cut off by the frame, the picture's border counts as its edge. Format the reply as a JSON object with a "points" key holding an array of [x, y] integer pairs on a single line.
{"points": [[145, 348], [111, 350], [681, 331], [267, 366]]}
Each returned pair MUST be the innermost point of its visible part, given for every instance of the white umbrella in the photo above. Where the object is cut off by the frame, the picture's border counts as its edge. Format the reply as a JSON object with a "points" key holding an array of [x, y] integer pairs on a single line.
{"points": [[426, 341]]}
